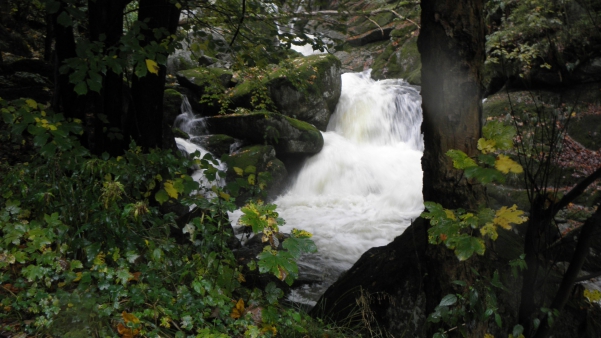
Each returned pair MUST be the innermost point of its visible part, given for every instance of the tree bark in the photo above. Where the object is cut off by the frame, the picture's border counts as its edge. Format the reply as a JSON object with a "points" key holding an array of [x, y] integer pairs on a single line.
{"points": [[451, 43], [106, 21], [145, 123]]}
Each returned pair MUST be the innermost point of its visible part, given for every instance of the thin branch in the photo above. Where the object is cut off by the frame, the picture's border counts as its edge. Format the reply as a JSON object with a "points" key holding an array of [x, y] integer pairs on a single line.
{"points": [[240, 23], [375, 23], [576, 191]]}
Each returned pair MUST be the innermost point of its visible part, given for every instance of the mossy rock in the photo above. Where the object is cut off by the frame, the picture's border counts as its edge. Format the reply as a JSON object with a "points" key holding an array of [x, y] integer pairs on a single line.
{"points": [[217, 144], [172, 101], [309, 93], [403, 62], [287, 135]]}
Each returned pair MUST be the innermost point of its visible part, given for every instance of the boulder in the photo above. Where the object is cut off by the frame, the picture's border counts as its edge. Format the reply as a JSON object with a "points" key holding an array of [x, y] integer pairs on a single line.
{"points": [[309, 92], [285, 134], [217, 144]]}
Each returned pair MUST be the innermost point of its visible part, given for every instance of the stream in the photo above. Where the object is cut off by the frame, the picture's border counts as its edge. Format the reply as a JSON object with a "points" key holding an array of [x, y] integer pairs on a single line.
{"points": [[364, 187]]}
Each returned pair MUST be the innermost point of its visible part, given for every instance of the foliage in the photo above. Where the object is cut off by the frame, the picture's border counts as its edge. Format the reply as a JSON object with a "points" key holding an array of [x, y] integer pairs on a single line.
{"points": [[550, 34], [466, 232], [88, 244]]}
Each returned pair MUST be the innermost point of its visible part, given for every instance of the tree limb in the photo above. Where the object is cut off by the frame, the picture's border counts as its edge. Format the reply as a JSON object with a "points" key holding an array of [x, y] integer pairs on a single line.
{"points": [[240, 23], [576, 191], [570, 277]]}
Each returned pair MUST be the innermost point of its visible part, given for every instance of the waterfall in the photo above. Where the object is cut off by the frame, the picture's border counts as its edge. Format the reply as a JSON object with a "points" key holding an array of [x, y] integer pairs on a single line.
{"points": [[365, 186], [188, 122]]}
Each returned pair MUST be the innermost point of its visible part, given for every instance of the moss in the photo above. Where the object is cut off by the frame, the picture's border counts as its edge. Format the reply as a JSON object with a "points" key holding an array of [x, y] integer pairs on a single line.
{"points": [[250, 156], [172, 99], [203, 76], [180, 133], [404, 62], [499, 196]]}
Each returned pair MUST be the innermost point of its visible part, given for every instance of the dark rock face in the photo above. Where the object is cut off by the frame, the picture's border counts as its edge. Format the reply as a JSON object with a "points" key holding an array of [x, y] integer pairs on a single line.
{"points": [[285, 134], [386, 283]]}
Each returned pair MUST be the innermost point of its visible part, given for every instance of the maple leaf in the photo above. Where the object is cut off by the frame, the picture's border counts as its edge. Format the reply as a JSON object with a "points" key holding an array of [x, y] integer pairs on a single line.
{"points": [[505, 216], [490, 230], [506, 165], [486, 146], [170, 189]]}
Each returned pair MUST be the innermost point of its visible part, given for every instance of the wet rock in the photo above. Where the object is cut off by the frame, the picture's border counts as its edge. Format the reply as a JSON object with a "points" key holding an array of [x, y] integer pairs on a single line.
{"points": [[217, 144], [285, 134]]}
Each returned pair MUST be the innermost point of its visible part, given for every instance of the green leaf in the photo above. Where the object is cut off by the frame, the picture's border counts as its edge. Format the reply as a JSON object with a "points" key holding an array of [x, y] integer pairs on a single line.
{"points": [[81, 88], [460, 159], [465, 246], [272, 293], [161, 196], [64, 19], [484, 175], [298, 246], [498, 320], [517, 330], [501, 134], [448, 300], [488, 159]]}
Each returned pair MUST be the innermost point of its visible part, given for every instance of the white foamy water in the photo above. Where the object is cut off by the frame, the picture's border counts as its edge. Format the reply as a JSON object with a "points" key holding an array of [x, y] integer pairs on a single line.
{"points": [[365, 186]]}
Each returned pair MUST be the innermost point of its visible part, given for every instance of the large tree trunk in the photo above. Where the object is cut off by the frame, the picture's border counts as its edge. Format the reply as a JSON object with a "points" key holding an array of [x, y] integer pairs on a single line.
{"points": [[106, 19], [145, 123], [451, 43]]}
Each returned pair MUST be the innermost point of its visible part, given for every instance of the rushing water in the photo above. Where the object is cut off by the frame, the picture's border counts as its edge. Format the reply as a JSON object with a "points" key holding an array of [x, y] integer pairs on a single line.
{"points": [[364, 187]]}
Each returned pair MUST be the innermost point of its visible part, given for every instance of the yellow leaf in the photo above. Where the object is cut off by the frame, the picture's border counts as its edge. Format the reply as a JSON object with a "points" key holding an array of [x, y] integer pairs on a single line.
{"points": [[450, 214], [170, 189], [43, 113], [251, 179], [505, 216], [490, 230], [239, 171], [78, 278], [270, 328], [592, 295], [152, 66], [224, 195], [488, 335], [129, 318], [486, 146], [31, 103], [178, 5], [506, 165], [238, 310]]}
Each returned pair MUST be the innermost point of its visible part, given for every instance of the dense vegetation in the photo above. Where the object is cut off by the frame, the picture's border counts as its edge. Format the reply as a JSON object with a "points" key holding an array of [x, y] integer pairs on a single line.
{"points": [[105, 233]]}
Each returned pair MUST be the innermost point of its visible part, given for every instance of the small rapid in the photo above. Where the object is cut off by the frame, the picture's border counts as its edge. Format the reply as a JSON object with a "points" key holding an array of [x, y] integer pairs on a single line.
{"points": [[365, 186]]}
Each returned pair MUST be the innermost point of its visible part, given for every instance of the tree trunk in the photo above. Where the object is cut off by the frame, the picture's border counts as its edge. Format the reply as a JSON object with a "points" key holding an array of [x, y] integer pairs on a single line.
{"points": [[451, 43], [106, 20], [145, 123]]}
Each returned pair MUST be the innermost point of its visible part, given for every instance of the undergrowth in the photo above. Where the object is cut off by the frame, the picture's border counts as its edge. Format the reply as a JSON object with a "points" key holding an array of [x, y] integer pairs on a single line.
{"points": [[91, 246]]}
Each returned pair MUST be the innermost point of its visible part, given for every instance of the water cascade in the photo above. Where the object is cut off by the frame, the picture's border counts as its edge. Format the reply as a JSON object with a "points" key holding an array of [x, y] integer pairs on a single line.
{"points": [[365, 186]]}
